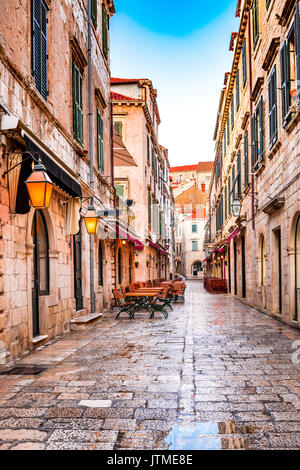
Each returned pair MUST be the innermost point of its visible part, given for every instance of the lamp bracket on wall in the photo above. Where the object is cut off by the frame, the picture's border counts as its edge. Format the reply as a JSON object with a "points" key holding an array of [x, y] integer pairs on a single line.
{"points": [[30, 155]]}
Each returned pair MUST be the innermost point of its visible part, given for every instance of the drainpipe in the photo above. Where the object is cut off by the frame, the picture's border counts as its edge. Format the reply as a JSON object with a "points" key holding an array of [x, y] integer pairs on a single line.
{"points": [[91, 148], [251, 113]]}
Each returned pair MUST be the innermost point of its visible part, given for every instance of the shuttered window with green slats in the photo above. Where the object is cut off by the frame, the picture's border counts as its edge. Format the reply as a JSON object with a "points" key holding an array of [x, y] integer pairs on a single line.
{"points": [[272, 89], [257, 136], [255, 22], [77, 104], [39, 55], [239, 174], [232, 112], [246, 159], [237, 88], [105, 26], [100, 148], [119, 127], [244, 59], [94, 12]]}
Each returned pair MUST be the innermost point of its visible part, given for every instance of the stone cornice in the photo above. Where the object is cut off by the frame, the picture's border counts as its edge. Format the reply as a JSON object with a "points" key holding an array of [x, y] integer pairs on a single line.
{"points": [[77, 53], [270, 55]]}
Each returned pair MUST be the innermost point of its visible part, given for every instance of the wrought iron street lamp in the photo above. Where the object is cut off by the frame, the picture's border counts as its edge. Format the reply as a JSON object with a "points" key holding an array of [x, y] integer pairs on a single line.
{"points": [[91, 219], [39, 186], [236, 207]]}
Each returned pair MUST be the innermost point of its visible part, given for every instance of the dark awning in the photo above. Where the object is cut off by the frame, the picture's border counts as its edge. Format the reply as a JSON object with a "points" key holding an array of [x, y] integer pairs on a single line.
{"points": [[58, 175]]}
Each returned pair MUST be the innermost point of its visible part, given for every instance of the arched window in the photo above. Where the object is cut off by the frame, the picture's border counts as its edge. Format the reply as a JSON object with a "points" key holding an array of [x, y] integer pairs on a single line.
{"points": [[262, 259], [100, 264], [297, 270], [120, 266]]}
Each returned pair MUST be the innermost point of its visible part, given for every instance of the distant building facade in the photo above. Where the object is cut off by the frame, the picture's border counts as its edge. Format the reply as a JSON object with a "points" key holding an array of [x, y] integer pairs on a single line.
{"points": [[200, 173]]}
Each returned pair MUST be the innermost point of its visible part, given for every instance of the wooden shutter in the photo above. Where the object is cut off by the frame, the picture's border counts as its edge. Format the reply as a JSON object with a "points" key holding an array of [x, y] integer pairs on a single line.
{"points": [[104, 31], [239, 171], [284, 82], [94, 12], [39, 46], [148, 148], [77, 104], [119, 127], [100, 150], [297, 43], [233, 182], [226, 201], [246, 159], [253, 141], [232, 112], [244, 59], [149, 208], [237, 90], [260, 131], [272, 88], [119, 189], [229, 195]]}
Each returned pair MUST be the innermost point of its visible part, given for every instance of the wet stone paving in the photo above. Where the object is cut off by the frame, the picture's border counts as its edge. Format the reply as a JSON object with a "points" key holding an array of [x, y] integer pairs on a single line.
{"points": [[215, 375]]}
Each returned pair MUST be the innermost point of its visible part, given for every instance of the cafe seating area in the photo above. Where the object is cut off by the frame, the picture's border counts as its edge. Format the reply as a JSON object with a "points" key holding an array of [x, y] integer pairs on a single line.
{"points": [[154, 296], [215, 285]]}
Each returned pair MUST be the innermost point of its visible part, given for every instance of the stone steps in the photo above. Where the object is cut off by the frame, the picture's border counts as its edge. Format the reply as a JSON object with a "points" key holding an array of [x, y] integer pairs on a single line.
{"points": [[85, 321]]}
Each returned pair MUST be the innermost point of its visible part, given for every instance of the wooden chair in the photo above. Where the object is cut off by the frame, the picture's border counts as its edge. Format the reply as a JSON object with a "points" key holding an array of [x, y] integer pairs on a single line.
{"points": [[166, 297], [122, 306]]}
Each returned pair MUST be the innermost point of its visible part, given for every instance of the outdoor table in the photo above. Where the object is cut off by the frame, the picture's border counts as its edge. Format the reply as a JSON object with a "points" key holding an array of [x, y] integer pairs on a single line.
{"points": [[140, 298]]}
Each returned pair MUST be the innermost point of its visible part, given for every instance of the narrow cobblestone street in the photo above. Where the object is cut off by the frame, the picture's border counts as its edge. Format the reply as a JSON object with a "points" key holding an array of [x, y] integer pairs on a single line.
{"points": [[215, 375]]}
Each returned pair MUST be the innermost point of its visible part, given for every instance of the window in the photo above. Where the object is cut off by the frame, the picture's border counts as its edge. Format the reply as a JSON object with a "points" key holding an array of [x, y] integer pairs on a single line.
{"points": [[257, 136], [246, 159], [100, 153], [228, 130], [100, 264], [237, 87], [273, 127], [232, 112], [290, 69], [226, 203], [149, 209], [268, 3], [239, 174], [194, 246], [94, 12], [39, 46], [77, 105], [229, 195], [119, 127], [194, 228], [41, 252], [244, 59], [105, 26], [255, 22], [148, 149], [119, 189]]}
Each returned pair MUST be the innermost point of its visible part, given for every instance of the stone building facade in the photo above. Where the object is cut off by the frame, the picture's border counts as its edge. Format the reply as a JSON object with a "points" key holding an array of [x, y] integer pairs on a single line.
{"points": [[257, 163], [136, 119], [44, 109]]}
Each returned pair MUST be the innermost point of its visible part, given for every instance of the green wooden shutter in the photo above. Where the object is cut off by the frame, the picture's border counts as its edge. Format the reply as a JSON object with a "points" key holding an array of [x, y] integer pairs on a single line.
{"points": [[297, 43], [119, 189], [119, 127], [239, 174], [232, 112], [100, 149], [284, 82], [273, 127], [149, 208], [246, 159], [105, 22], [94, 12], [253, 141], [255, 22], [260, 131], [229, 195], [237, 90], [39, 46], [148, 148], [228, 129], [77, 104], [233, 182], [244, 59]]}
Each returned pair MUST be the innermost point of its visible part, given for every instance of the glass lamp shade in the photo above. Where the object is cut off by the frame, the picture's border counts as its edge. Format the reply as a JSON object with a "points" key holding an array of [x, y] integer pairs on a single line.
{"points": [[91, 221], [236, 207], [39, 186]]}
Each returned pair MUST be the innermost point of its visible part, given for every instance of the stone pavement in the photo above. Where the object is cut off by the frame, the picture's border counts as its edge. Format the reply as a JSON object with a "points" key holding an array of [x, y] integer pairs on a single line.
{"points": [[217, 374]]}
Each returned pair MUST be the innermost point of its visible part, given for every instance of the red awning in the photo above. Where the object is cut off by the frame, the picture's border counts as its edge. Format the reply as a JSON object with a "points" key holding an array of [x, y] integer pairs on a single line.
{"points": [[233, 235], [138, 246], [157, 247]]}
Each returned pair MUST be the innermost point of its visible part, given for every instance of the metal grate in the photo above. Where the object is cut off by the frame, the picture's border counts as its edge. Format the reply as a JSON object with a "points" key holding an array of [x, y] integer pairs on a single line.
{"points": [[24, 370]]}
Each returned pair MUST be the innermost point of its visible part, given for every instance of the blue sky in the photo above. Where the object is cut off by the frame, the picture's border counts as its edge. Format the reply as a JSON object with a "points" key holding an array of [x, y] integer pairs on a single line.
{"points": [[183, 47]]}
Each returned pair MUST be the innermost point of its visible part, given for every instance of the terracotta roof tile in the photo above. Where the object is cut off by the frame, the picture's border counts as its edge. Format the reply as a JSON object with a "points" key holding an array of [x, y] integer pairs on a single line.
{"points": [[183, 168], [118, 96]]}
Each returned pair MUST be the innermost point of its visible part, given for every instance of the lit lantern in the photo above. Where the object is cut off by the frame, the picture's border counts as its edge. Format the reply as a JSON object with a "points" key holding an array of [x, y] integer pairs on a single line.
{"points": [[39, 186], [236, 207], [91, 220]]}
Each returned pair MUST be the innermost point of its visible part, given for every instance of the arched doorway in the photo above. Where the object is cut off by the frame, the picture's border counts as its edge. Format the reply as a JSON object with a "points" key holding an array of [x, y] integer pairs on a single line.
{"points": [[196, 268], [297, 270], [119, 266], [78, 270], [40, 266]]}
